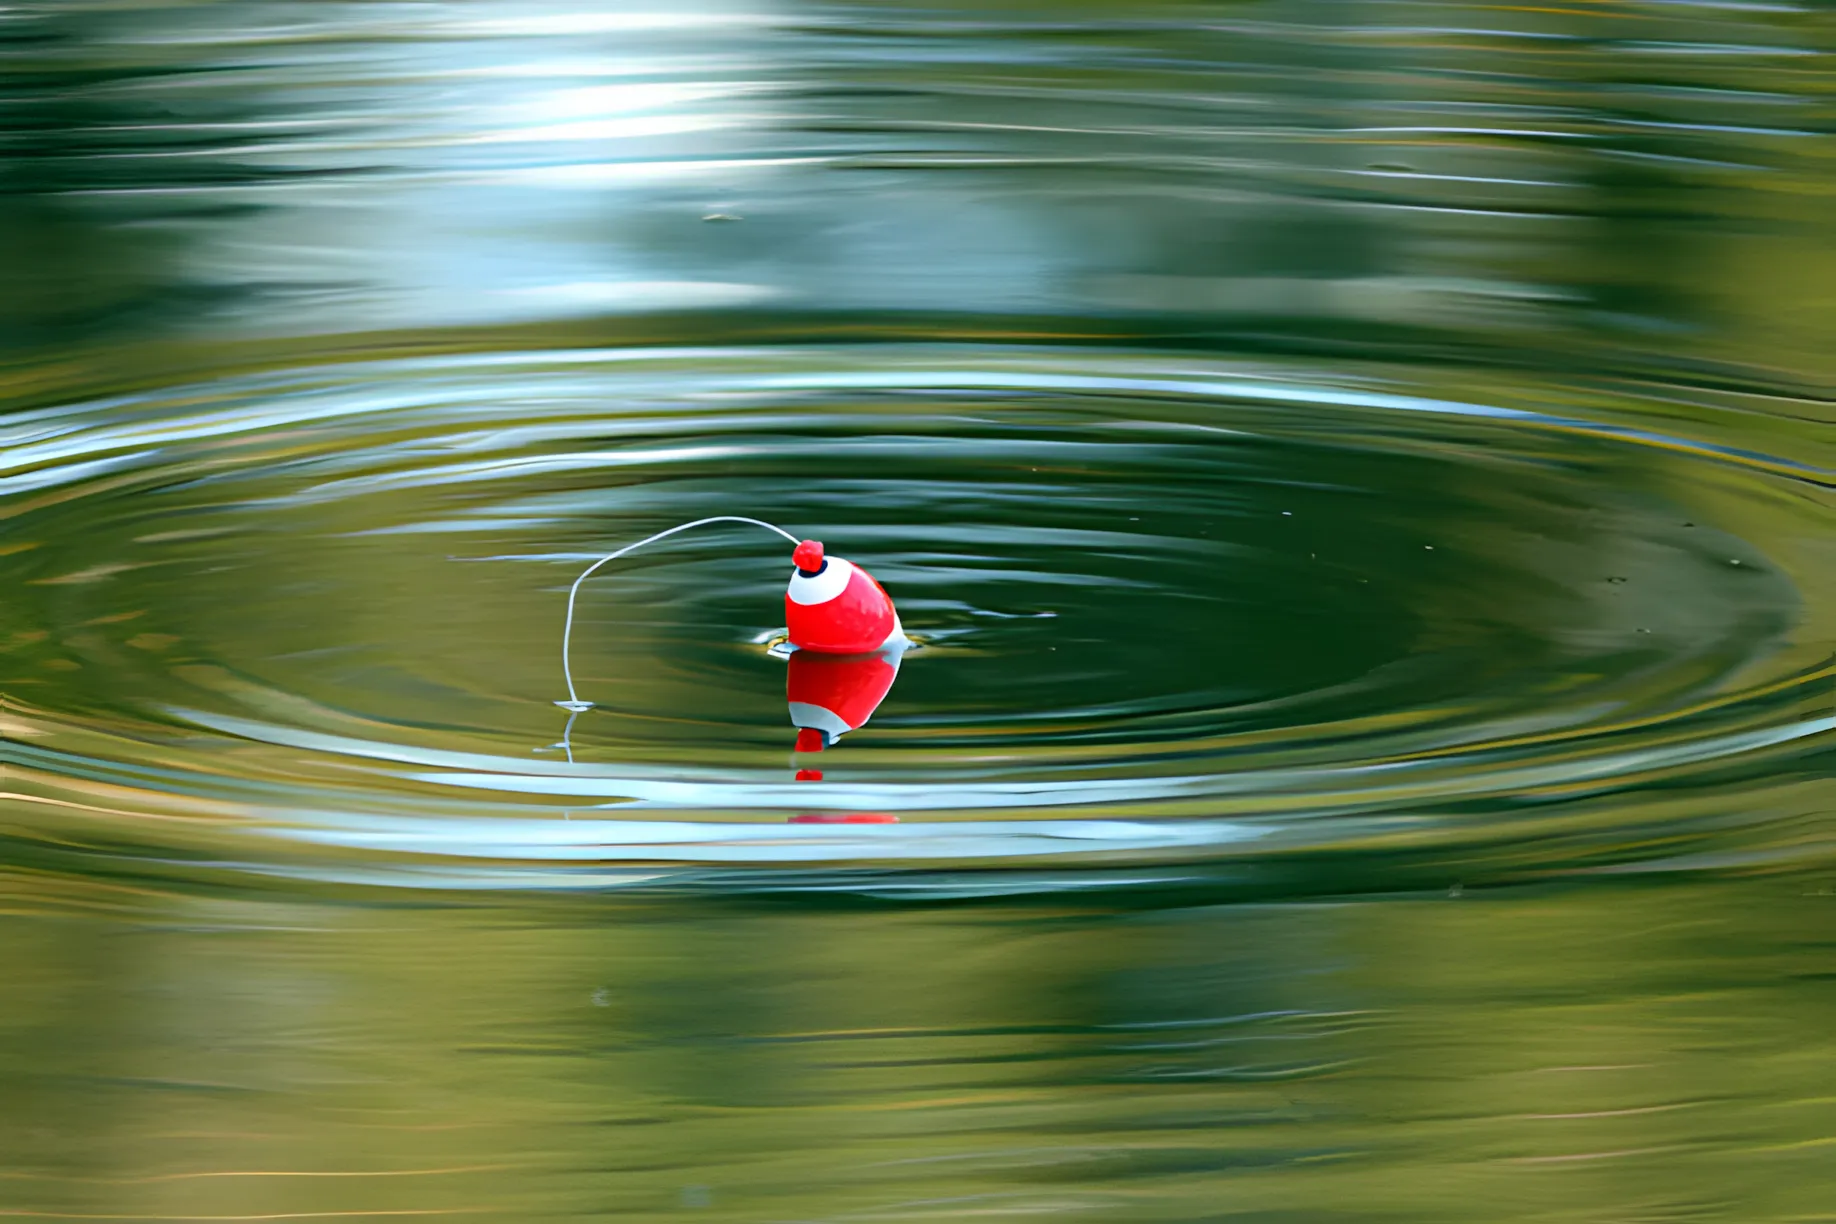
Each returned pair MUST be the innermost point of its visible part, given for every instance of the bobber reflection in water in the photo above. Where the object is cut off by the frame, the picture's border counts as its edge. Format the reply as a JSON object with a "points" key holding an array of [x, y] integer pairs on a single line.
{"points": [[830, 695]]}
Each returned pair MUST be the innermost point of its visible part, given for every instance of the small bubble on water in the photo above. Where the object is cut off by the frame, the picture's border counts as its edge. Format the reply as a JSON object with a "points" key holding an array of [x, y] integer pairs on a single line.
{"points": [[1615, 579]]}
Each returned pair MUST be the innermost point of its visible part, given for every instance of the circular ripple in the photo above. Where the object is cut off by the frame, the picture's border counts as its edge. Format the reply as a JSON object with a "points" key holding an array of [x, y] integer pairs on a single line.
{"points": [[323, 608]]}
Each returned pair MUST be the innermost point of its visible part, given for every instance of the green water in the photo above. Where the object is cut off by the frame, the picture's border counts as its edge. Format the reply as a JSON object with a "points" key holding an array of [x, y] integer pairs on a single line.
{"points": [[1587, 1051], [1358, 477]]}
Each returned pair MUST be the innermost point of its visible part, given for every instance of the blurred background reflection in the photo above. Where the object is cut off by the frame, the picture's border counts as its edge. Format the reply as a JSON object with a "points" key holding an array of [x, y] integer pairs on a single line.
{"points": [[1618, 182]]}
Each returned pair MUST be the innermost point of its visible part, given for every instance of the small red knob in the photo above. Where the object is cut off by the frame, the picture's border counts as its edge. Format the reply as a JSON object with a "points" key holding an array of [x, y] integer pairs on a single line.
{"points": [[809, 740], [808, 556]]}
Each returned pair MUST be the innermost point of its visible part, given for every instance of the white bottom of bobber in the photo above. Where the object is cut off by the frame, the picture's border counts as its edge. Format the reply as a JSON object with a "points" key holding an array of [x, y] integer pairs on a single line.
{"points": [[807, 717]]}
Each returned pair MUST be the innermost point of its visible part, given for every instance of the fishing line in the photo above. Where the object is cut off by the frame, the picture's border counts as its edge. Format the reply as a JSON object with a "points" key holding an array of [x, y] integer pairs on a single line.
{"points": [[573, 701]]}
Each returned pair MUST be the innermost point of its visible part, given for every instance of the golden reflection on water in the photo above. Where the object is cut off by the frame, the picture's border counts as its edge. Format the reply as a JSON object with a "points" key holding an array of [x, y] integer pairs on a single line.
{"points": [[1569, 1053]]}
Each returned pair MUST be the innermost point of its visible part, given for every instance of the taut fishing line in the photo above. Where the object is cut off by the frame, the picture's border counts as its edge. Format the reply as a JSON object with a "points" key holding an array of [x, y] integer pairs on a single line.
{"points": [[573, 701]]}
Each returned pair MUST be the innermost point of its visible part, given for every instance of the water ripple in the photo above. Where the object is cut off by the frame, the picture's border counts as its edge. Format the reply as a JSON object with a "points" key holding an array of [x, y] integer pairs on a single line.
{"points": [[1177, 611]]}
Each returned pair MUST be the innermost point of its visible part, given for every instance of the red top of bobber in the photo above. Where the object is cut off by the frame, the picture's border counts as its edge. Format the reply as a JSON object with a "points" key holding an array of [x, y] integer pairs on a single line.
{"points": [[808, 556]]}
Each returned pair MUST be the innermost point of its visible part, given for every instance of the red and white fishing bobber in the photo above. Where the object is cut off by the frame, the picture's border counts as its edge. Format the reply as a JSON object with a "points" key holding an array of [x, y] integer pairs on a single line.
{"points": [[835, 607], [832, 607]]}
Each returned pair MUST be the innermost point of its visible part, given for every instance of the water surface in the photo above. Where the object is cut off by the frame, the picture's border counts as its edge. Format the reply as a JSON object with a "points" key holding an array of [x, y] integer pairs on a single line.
{"points": [[1359, 477]]}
